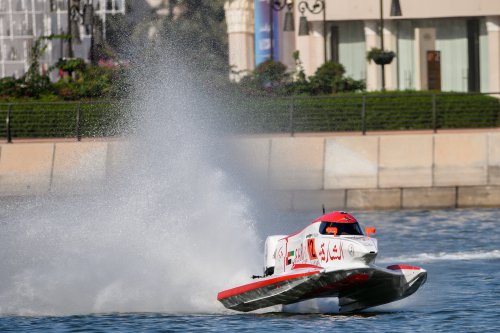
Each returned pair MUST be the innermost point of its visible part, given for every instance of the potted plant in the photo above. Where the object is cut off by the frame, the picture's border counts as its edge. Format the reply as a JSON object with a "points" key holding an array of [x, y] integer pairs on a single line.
{"points": [[379, 56]]}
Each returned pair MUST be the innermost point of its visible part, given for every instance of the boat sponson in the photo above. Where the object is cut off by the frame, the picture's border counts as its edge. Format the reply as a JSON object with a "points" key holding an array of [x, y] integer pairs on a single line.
{"points": [[357, 288], [383, 287]]}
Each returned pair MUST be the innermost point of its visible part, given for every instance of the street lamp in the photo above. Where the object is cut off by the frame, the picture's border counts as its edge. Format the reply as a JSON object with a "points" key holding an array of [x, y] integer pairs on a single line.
{"points": [[317, 7], [395, 11], [278, 5]]}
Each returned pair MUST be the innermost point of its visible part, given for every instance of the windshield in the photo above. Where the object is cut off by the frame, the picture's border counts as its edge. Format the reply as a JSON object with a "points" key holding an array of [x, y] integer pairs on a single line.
{"points": [[331, 228]]}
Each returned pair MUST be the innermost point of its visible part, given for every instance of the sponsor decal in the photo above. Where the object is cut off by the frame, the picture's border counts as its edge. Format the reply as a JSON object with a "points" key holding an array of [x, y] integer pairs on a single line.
{"points": [[351, 250], [335, 254], [322, 255], [280, 255], [289, 257], [280, 252], [331, 253], [300, 255]]}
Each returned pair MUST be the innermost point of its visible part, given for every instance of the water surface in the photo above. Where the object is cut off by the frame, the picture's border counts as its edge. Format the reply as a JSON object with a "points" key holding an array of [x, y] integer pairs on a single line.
{"points": [[459, 248]]}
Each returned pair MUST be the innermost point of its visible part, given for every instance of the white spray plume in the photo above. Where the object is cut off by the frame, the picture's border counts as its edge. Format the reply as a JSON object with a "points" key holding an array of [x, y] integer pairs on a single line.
{"points": [[165, 235]]}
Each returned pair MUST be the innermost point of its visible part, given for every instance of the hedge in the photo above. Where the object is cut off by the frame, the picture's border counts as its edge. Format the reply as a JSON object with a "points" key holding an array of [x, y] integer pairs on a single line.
{"points": [[348, 112], [61, 119], [370, 112]]}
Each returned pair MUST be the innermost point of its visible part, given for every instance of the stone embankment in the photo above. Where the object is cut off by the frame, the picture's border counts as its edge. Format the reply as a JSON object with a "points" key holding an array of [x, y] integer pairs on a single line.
{"points": [[377, 171], [34, 168], [382, 171]]}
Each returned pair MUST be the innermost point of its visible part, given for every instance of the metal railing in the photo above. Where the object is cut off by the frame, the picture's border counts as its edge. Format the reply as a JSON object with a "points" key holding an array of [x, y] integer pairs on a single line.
{"points": [[343, 113], [371, 112], [59, 120]]}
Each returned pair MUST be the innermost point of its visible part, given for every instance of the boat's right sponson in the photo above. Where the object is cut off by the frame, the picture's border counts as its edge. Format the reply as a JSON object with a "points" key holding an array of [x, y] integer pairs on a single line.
{"points": [[384, 286]]}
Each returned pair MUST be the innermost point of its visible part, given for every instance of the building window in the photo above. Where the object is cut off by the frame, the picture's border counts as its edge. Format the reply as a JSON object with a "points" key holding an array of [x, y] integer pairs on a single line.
{"points": [[334, 44], [473, 52]]}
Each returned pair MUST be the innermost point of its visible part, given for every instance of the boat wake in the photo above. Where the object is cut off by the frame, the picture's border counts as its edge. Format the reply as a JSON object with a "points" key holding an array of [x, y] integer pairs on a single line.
{"points": [[444, 256], [162, 234]]}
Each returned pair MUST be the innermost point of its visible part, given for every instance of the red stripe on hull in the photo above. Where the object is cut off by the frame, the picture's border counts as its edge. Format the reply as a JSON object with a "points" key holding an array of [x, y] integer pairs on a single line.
{"points": [[301, 266], [400, 267], [259, 284]]}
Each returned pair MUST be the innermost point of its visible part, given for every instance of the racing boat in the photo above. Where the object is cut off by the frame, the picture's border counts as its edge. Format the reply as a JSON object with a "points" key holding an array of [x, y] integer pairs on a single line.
{"points": [[331, 257]]}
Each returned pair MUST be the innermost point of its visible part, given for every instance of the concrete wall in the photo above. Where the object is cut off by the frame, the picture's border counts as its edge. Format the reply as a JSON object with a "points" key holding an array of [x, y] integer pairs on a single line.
{"points": [[26, 168], [38, 168], [390, 171], [382, 171]]}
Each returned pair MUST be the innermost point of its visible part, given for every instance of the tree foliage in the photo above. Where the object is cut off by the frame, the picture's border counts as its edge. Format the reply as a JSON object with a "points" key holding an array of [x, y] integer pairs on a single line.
{"points": [[271, 77], [329, 78], [197, 27], [77, 79], [194, 29], [268, 75]]}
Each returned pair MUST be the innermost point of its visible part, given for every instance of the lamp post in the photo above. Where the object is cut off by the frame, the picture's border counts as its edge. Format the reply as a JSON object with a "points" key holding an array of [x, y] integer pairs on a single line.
{"points": [[395, 11], [278, 5], [86, 14], [317, 7]]}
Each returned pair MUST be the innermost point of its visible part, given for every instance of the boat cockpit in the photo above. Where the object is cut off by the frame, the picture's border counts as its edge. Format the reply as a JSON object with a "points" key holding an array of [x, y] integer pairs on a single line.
{"points": [[340, 229]]}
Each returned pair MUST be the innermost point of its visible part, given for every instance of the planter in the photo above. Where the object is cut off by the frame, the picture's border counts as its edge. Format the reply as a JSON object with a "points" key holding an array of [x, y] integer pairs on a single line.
{"points": [[383, 58]]}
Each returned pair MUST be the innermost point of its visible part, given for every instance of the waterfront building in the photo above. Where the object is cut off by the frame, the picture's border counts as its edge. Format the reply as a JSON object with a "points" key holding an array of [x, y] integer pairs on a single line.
{"points": [[23, 21], [448, 45]]}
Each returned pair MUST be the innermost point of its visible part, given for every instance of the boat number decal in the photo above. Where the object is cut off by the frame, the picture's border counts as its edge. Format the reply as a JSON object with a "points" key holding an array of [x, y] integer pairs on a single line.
{"points": [[311, 248]]}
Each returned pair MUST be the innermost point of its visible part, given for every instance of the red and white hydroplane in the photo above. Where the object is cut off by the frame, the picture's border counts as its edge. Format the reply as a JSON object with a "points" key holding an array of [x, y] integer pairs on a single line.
{"points": [[331, 257]]}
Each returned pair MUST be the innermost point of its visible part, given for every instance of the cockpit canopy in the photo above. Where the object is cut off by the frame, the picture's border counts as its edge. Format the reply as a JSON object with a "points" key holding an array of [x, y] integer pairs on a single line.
{"points": [[338, 223], [339, 229]]}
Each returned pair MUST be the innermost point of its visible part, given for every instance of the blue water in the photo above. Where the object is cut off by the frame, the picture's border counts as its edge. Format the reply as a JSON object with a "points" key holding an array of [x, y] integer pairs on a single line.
{"points": [[459, 248]]}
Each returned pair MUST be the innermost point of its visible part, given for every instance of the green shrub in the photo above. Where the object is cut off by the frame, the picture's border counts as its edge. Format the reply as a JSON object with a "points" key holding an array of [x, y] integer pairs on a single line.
{"points": [[81, 82], [271, 78], [59, 119], [271, 73], [326, 79], [329, 79], [51, 117], [405, 110]]}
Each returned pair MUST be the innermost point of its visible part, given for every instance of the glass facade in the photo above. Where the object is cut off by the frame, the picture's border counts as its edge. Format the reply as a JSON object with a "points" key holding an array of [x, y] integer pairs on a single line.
{"points": [[352, 52], [22, 21]]}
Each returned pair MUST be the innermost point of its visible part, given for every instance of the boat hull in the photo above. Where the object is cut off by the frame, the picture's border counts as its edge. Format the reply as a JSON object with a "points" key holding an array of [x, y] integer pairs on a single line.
{"points": [[357, 288]]}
